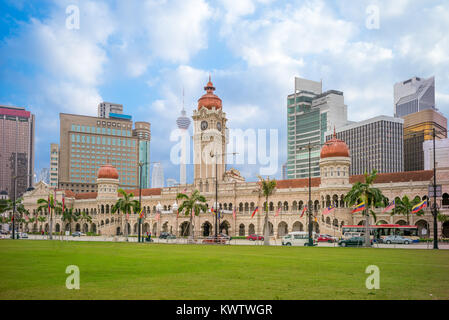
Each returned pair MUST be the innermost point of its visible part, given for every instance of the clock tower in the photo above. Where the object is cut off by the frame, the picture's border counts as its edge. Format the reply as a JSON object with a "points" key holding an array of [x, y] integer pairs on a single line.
{"points": [[209, 140]]}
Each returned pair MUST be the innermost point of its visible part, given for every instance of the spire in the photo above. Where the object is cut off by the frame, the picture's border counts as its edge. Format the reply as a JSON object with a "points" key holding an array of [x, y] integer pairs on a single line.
{"points": [[335, 134]]}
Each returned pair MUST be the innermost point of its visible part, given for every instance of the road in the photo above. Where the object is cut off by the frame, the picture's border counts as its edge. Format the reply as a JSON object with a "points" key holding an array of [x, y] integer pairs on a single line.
{"points": [[276, 242]]}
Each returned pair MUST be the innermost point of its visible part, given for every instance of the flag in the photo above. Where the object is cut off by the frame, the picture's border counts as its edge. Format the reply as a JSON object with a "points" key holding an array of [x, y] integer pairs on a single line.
{"points": [[233, 214], [212, 210], [185, 190], [27, 218], [419, 206], [359, 207], [49, 209], [328, 210], [141, 215], [127, 216], [158, 216], [63, 203], [389, 207], [303, 210], [254, 212], [277, 212]]}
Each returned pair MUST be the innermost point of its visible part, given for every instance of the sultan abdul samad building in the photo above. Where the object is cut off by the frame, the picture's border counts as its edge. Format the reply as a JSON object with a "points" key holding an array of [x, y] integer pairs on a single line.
{"points": [[210, 123]]}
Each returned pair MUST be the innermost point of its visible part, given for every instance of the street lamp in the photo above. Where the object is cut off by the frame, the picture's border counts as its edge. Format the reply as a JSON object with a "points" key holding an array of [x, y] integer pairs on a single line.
{"points": [[158, 210], [309, 147], [14, 202], [175, 209], [434, 207], [216, 186], [141, 164]]}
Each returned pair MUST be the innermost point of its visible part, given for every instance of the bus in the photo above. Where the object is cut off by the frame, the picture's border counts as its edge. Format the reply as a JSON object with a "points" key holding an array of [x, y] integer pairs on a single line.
{"points": [[381, 231]]}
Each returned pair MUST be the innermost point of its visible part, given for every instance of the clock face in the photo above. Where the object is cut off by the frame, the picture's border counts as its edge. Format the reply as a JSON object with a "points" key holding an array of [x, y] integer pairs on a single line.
{"points": [[219, 126], [203, 125]]}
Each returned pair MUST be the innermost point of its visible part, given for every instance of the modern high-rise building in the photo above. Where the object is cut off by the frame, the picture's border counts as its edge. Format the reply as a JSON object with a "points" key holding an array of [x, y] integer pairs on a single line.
{"points": [[54, 164], [157, 179], [183, 123], [375, 143], [105, 109], [143, 133], [86, 143], [17, 127], [418, 128], [414, 95], [441, 154], [311, 113]]}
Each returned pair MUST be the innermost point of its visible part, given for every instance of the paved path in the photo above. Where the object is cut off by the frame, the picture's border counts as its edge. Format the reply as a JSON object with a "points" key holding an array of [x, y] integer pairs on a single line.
{"points": [[276, 242]]}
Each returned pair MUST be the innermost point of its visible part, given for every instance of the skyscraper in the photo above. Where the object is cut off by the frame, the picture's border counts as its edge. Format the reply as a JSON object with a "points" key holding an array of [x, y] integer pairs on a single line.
{"points": [[414, 95], [157, 179], [418, 128], [143, 133], [375, 143], [16, 150], [86, 143], [54, 165], [183, 123], [311, 113]]}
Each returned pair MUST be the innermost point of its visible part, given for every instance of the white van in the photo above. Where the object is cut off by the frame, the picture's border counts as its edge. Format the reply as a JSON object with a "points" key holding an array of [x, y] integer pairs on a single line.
{"points": [[298, 238], [349, 235]]}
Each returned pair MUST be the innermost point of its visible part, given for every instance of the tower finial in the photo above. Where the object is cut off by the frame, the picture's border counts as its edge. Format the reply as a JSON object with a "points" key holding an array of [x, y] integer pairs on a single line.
{"points": [[209, 77], [335, 134], [182, 98]]}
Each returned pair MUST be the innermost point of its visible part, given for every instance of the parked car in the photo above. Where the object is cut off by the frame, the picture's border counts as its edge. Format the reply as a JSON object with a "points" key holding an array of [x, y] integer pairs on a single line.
{"points": [[298, 238], [397, 239], [167, 235], [78, 234], [219, 239], [326, 238], [353, 242], [254, 237]]}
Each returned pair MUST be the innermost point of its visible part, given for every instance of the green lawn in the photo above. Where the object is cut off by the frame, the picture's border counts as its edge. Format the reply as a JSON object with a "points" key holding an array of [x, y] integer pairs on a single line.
{"points": [[36, 270]]}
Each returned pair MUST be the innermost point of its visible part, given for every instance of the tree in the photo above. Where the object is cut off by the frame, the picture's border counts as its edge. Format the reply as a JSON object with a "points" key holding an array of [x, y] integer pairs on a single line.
{"points": [[70, 216], [85, 217], [404, 206], [267, 187], [364, 192], [193, 204], [41, 219], [124, 205], [54, 205]]}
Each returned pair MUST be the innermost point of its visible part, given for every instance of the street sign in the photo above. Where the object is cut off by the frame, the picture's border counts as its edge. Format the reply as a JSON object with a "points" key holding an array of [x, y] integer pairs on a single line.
{"points": [[438, 189]]}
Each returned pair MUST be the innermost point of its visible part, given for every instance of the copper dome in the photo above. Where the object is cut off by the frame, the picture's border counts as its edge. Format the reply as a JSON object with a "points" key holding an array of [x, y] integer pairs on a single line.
{"points": [[107, 172], [334, 148], [209, 99]]}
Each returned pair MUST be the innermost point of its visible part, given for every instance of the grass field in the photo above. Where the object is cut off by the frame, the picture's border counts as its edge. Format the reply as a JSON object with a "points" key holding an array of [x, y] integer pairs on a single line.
{"points": [[36, 270]]}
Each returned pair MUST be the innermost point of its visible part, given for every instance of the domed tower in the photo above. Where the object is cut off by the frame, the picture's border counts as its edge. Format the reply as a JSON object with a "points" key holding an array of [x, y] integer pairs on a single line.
{"points": [[335, 162], [107, 182], [209, 136], [183, 123]]}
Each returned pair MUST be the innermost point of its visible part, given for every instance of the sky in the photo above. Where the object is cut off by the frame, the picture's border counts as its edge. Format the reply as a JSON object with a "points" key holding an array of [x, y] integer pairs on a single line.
{"points": [[143, 53]]}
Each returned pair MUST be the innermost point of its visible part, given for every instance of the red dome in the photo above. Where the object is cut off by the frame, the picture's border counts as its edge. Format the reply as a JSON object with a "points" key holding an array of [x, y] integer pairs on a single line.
{"points": [[334, 148], [209, 99], [107, 172]]}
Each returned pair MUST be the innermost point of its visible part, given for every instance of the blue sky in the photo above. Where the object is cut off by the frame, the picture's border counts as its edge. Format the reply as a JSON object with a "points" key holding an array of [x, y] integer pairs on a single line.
{"points": [[142, 53]]}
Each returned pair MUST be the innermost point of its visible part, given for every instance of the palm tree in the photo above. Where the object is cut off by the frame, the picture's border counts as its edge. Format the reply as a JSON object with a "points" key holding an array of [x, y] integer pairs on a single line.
{"points": [[85, 217], [404, 206], [193, 204], [70, 216], [41, 219], [364, 192], [267, 187], [54, 205], [125, 204]]}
